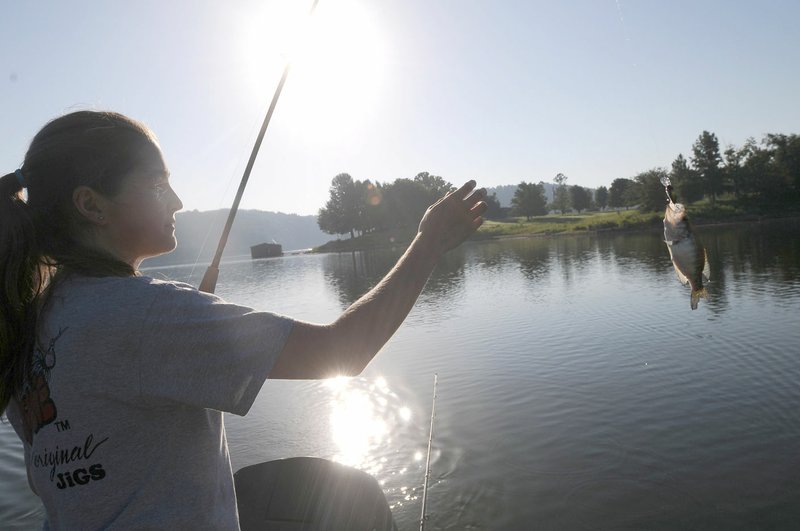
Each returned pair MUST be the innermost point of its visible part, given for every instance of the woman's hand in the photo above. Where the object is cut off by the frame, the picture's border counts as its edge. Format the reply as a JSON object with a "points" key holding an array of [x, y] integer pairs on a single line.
{"points": [[453, 218]]}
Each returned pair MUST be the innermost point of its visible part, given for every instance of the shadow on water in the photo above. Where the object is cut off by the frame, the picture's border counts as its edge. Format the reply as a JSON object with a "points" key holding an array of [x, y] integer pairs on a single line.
{"points": [[739, 251], [534, 257], [750, 255], [353, 274], [449, 273]]}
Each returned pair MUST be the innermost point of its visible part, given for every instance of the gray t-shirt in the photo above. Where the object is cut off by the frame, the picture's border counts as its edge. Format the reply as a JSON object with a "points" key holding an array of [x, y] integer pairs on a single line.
{"points": [[124, 411]]}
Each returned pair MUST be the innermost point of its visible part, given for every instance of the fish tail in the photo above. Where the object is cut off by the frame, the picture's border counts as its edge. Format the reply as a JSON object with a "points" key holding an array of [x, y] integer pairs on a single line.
{"points": [[697, 294]]}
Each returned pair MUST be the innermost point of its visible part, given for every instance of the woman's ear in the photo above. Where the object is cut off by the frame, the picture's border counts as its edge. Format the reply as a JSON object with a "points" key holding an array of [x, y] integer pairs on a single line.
{"points": [[91, 205]]}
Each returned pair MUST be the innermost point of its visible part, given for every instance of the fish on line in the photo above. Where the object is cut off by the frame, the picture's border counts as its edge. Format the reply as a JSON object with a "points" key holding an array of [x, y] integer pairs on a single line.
{"points": [[686, 251]]}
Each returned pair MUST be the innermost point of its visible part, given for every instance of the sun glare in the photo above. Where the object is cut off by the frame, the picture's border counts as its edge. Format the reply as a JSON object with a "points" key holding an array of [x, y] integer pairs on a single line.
{"points": [[363, 418], [337, 58], [357, 427]]}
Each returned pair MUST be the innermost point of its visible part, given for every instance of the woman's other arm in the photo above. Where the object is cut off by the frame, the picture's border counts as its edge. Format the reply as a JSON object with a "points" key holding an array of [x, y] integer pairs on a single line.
{"points": [[347, 345]]}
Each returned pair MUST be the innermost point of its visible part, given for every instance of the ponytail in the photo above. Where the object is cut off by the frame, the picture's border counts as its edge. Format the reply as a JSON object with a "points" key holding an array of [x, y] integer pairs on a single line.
{"points": [[21, 280]]}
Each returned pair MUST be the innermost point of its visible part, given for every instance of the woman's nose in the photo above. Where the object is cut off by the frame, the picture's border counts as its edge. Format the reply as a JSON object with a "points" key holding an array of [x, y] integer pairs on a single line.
{"points": [[175, 201]]}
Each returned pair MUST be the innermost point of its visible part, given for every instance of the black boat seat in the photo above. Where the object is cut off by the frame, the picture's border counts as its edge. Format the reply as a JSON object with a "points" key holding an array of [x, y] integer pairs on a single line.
{"points": [[309, 493]]}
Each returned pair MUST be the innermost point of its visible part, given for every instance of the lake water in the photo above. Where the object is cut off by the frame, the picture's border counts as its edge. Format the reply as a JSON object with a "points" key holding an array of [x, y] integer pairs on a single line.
{"points": [[577, 390]]}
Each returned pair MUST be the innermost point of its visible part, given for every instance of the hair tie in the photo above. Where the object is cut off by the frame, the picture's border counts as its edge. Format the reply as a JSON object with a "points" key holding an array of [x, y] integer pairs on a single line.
{"points": [[21, 178]]}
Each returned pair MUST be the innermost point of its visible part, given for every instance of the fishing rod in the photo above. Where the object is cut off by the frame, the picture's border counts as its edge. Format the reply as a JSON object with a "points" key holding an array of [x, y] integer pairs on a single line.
{"points": [[428, 460], [209, 282]]}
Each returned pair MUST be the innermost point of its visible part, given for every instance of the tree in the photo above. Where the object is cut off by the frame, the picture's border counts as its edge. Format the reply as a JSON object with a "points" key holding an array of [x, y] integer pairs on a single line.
{"points": [[772, 172], [733, 170], [580, 197], [529, 200], [685, 181], [328, 221], [493, 208], [434, 184], [341, 213], [406, 201], [619, 195], [561, 195], [786, 157], [754, 163], [759, 179], [706, 161], [373, 212], [650, 191], [601, 197]]}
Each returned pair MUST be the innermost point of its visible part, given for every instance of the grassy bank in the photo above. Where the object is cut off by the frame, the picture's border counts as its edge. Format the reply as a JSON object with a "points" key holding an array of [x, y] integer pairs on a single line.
{"points": [[701, 213], [559, 224]]}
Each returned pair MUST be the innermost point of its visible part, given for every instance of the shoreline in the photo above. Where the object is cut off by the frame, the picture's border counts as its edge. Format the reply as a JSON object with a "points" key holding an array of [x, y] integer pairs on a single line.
{"points": [[402, 238], [478, 237]]}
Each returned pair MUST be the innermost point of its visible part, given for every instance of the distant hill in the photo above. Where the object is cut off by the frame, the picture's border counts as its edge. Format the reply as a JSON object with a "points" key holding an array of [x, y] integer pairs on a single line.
{"points": [[251, 227]]}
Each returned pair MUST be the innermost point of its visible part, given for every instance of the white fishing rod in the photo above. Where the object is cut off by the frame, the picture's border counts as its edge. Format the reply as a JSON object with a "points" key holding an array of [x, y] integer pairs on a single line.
{"points": [[428, 460]]}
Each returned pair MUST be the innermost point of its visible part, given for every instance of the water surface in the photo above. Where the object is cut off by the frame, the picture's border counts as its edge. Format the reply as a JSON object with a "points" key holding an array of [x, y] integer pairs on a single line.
{"points": [[577, 390]]}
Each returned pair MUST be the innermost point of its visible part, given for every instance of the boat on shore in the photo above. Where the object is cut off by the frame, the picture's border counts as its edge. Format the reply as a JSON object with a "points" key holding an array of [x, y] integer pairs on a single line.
{"points": [[266, 250]]}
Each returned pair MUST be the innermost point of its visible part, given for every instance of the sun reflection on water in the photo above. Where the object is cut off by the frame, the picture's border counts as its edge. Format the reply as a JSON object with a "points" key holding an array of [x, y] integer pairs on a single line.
{"points": [[365, 416], [362, 418], [356, 427]]}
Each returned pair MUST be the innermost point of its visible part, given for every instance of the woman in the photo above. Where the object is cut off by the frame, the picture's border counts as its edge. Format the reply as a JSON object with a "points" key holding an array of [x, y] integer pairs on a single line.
{"points": [[114, 381]]}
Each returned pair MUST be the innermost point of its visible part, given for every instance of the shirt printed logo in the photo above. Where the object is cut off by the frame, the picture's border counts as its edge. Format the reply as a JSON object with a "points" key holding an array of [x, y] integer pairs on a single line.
{"points": [[38, 408]]}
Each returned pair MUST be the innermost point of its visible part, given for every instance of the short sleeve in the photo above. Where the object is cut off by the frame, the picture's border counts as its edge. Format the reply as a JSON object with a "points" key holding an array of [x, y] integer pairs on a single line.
{"points": [[198, 350]]}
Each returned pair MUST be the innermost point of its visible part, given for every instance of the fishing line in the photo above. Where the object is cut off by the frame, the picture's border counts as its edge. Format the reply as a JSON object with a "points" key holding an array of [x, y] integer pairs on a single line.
{"points": [[209, 282], [212, 223], [634, 67], [428, 459], [624, 27]]}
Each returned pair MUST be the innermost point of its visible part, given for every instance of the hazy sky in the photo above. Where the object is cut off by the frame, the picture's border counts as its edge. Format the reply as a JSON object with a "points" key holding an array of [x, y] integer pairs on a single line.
{"points": [[499, 91]]}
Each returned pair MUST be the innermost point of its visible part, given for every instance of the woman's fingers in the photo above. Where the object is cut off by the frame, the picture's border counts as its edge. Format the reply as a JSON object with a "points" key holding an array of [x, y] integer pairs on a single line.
{"points": [[479, 208], [462, 192], [476, 196]]}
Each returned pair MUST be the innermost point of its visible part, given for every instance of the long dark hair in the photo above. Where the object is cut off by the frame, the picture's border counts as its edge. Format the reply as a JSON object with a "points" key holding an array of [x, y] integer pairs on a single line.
{"points": [[39, 234]]}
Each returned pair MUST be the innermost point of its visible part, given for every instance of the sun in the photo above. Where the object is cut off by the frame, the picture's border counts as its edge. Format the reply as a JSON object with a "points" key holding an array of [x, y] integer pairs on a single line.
{"points": [[337, 61]]}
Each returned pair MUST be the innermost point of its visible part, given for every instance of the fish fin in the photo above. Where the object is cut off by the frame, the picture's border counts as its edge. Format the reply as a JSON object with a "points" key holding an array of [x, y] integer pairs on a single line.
{"points": [[681, 277], [697, 294], [706, 266]]}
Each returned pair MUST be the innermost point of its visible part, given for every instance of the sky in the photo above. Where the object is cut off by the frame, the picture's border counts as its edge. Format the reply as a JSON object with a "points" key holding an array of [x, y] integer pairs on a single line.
{"points": [[498, 91]]}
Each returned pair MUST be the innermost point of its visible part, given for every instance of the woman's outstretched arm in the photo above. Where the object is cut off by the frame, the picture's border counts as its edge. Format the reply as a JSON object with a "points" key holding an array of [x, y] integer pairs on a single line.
{"points": [[347, 345]]}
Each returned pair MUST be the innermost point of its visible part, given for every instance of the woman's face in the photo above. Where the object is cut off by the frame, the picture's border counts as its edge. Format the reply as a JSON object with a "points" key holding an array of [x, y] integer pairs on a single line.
{"points": [[141, 217]]}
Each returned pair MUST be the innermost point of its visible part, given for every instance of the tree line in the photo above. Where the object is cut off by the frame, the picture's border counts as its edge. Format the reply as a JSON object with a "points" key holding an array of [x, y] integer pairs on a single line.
{"points": [[757, 173], [762, 173], [360, 207]]}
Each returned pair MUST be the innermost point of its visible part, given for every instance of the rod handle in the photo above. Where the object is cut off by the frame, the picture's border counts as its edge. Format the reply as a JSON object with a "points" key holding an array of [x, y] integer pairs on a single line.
{"points": [[209, 282]]}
